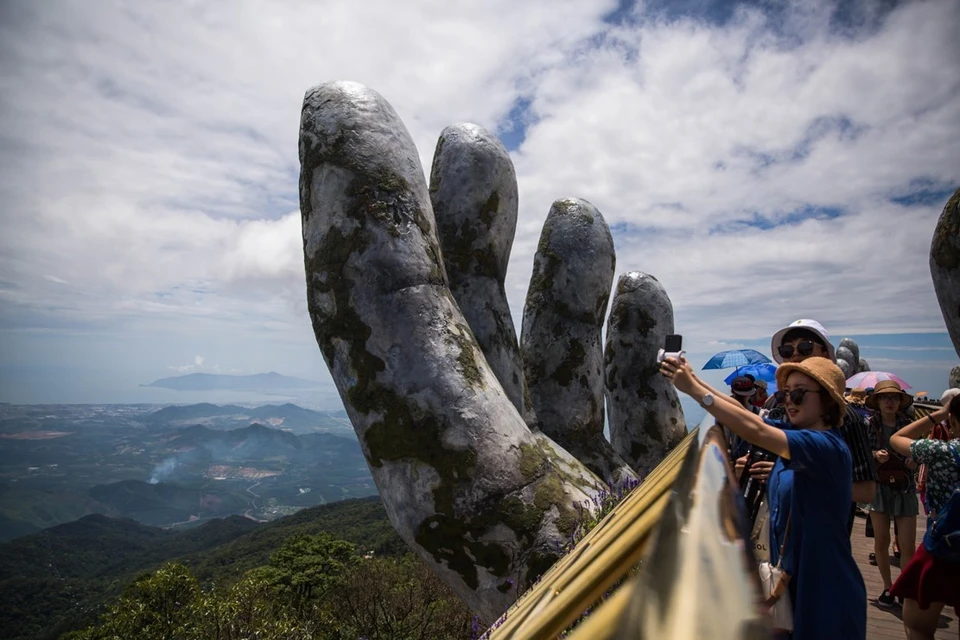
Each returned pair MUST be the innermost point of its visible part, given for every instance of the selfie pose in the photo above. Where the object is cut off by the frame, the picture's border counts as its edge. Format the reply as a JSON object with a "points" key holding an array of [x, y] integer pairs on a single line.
{"points": [[808, 491], [931, 580], [897, 491]]}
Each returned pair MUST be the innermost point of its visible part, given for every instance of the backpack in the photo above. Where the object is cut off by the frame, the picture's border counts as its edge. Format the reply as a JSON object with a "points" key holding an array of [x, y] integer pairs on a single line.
{"points": [[942, 538]]}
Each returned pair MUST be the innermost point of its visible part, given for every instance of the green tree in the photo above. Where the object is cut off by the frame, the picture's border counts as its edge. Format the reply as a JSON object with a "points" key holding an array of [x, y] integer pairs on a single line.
{"points": [[306, 568], [246, 610], [156, 606], [398, 599]]}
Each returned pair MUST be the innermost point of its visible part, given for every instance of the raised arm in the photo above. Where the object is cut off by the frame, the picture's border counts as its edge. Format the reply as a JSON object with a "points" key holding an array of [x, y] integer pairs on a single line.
{"points": [[745, 424], [902, 439], [719, 396]]}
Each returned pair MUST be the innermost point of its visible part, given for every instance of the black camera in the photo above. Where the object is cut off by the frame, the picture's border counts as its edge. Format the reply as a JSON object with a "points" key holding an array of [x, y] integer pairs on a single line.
{"points": [[754, 490]]}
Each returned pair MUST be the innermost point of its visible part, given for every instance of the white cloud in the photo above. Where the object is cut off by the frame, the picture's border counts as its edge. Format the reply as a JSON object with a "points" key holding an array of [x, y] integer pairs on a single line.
{"points": [[197, 366], [150, 154], [662, 129]]}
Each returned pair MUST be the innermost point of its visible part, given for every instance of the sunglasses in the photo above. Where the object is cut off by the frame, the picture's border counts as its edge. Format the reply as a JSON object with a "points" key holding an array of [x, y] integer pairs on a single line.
{"points": [[803, 348], [795, 395]]}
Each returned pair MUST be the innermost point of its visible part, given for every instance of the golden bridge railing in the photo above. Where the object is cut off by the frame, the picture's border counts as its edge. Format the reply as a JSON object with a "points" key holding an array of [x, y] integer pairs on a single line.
{"points": [[697, 576], [687, 505]]}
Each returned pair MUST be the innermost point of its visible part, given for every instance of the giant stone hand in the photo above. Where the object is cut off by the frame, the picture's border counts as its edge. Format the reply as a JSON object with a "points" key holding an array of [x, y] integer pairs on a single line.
{"points": [[945, 266], [410, 314]]}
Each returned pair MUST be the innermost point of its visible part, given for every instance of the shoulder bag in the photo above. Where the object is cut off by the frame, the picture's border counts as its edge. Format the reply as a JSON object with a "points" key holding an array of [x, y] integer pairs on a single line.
{"points": [[775, 581]]}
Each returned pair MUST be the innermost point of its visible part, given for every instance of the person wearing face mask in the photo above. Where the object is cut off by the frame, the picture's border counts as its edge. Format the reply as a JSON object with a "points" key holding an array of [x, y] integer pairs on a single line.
{"points": [[808, 492], [803, 339]]}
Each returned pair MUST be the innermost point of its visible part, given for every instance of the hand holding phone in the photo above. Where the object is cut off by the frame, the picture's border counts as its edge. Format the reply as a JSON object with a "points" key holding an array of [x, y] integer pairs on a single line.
{"points": [[672, 348]]}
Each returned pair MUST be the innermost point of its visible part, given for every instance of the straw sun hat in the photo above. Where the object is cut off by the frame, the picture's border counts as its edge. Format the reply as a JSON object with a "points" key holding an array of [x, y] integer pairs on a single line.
{"points": [[889, 387], [857, 395], [826, 373]]}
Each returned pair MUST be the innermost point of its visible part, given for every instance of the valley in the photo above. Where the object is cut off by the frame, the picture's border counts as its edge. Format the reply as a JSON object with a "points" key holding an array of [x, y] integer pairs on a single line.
{"points": [[175, 466]]}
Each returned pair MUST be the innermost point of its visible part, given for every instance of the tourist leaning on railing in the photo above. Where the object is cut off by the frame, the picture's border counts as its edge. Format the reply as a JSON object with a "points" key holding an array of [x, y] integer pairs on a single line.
{"points": [[809, 491], [931, 581]]}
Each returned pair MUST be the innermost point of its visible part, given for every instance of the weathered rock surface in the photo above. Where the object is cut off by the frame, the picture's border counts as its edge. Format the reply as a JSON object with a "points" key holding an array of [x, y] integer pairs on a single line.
{"points": [[464, 481], [844, 353], [862, 366], [561, 334], [644, 414], [853, 347], [473, 189], [945, 266], [846, 367], [954, 378]]}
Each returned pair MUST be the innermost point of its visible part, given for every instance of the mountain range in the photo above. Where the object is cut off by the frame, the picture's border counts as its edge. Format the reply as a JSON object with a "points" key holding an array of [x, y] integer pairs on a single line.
{"points": [[288, 417], [221, 382], [59, 579]]}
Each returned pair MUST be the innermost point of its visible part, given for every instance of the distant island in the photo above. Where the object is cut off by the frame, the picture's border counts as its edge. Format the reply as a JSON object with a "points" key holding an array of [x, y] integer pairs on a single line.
{"points": [[220, 382]]}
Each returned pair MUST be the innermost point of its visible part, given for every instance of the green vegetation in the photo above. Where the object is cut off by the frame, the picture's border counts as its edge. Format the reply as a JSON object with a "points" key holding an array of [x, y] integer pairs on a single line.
{"points": [[313, 587], [352, 597], [63, 578]]}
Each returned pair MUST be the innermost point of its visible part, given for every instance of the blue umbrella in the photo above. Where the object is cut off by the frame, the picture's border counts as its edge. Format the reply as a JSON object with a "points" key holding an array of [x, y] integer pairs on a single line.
{"points": [[760, 371], [735, 358]]}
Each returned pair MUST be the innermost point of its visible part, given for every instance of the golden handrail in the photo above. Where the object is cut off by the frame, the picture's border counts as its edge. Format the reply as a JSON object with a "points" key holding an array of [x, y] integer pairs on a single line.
{"points": [[622, 539]]}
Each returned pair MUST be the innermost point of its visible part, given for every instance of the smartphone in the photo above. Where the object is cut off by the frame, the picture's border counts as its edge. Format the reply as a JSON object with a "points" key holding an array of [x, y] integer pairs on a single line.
{"points": [[673, 343]]}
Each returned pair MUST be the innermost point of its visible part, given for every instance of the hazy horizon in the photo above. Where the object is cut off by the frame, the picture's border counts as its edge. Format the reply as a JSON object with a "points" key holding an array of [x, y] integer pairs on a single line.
{"points": [[766, 161]]}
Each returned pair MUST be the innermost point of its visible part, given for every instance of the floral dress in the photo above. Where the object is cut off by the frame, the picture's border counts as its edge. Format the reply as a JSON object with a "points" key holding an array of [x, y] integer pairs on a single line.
{"points": [[928, 579], [943, 476]]}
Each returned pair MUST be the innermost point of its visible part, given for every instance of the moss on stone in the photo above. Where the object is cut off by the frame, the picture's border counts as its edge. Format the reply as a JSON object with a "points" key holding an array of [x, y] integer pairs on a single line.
{"points": [[638, 450], [652, 428], [435, 165], [489, 209], [945, 248], [532, 461], [538, 564], [641, 382], [467, 360], [571, 207], [533, 370], [576, 355], [452, 541], [619, 317], [524, 519], [643, 321], [550, 492], [379, 200]]}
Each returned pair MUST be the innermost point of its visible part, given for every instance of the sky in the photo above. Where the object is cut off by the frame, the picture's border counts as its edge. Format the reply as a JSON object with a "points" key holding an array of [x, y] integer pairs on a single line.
{"points": [[766, 161]]}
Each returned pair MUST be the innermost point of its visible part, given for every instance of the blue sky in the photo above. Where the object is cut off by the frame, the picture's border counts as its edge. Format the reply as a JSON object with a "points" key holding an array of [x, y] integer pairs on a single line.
{"points": [[765, 160]]}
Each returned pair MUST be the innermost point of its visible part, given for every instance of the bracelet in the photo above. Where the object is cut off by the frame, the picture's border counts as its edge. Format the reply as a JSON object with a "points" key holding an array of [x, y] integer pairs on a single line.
{"points": [[930, 416]]}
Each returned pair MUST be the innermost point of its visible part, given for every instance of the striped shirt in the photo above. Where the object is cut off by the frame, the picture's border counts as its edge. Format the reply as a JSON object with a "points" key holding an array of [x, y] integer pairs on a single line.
{"points": [[853, 430]]}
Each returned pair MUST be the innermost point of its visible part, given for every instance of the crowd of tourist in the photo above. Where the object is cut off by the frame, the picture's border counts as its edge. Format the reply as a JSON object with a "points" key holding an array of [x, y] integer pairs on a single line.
{"points": [[824, 452]]}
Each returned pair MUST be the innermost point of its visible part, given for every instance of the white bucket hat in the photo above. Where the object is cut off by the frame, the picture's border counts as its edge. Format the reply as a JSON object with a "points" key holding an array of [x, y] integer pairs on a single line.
{"points": [[804, 323]]}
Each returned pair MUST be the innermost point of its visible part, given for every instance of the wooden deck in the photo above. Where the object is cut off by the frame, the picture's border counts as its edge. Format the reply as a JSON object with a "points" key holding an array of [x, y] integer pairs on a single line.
{"points": [[887, 624]]}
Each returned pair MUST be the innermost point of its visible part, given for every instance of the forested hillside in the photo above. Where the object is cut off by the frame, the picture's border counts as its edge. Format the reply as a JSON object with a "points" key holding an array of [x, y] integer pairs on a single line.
{"points": [[66, 577]]}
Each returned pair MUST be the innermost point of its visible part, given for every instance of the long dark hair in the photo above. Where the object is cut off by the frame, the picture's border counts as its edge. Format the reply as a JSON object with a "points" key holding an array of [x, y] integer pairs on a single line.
{"points": [[833, 413], [954, 407]]}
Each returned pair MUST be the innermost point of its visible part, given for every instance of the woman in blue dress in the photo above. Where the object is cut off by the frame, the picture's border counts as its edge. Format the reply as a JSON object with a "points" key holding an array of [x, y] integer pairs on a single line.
{"points": [[809, 491]]}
